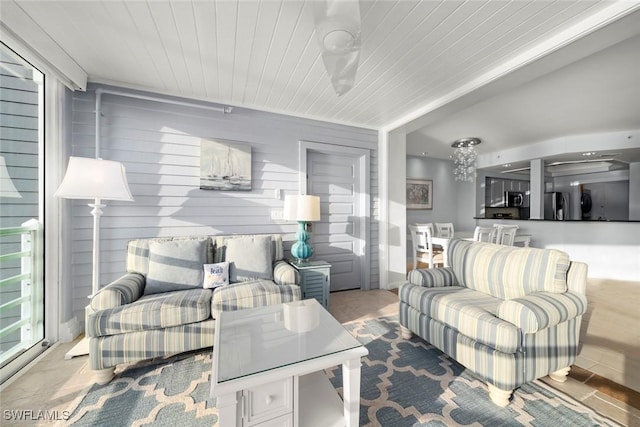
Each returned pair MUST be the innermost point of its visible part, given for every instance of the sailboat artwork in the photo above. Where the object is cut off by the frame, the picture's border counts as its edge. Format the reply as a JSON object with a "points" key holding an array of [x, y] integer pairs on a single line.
{"points": [[225, 165]]}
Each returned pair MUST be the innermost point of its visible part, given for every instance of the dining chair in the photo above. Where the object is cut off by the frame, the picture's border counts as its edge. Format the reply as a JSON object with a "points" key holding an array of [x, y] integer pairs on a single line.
{"points": [[485, 234], [435, 248], [423, 251], [505, 234], [445, 229], [428, 225]]}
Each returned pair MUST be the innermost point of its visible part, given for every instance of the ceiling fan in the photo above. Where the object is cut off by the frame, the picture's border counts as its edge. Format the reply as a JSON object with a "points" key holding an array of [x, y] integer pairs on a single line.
{"points": [[337, 24]]}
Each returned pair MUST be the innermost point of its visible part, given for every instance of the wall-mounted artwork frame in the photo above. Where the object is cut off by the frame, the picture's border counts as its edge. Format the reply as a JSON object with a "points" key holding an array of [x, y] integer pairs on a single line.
{"points": [[419, 194], [225, 165]]}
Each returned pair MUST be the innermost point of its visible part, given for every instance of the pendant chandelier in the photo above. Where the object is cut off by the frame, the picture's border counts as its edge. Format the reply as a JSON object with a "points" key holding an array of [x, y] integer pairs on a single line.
{"points": [[464, 158]]}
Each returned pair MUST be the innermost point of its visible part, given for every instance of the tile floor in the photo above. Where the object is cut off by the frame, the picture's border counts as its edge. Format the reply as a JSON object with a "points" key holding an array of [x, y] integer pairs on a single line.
{"points": [[54, 384], [610, 336]]}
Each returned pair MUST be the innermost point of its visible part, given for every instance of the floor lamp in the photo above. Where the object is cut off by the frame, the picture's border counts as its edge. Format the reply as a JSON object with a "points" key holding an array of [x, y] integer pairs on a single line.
{"points": [[7, 189], [99, 180]]}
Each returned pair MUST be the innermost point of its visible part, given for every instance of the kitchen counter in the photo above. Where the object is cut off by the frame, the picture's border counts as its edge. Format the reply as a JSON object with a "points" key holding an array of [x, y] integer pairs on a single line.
{"points": [[555, 220]]}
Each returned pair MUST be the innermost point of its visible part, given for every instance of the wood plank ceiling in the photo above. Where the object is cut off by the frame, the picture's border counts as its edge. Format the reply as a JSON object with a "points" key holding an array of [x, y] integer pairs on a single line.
{"points": [[263, 54]]}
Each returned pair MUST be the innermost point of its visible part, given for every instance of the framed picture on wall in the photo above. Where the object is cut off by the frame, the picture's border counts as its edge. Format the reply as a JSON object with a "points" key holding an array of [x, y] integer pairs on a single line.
{"points": [[225, 165], [419, 194]]}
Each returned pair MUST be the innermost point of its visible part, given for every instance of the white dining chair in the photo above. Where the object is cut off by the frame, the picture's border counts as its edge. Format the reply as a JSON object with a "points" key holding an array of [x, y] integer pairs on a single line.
{"points": [[428, 225], [436, 248], [505, 234], [423, 250], [485, 234], [444, 229]]}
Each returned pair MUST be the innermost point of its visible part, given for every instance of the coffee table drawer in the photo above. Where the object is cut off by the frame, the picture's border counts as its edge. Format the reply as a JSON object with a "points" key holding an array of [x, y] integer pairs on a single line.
{"points": [[268, 401]]}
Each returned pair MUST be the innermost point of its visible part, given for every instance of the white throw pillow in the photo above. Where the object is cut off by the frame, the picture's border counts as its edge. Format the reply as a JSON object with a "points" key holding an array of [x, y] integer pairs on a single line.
{"points": [[216, 275], [249, 258], [175, 265]]}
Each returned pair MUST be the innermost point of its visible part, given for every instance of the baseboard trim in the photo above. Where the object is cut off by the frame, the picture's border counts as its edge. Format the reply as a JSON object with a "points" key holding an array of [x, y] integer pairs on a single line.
{"points": [[70, 330]]}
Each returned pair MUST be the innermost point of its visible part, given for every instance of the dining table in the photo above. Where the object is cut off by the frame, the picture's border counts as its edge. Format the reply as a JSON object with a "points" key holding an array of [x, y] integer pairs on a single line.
{"points": [[524, 239]]}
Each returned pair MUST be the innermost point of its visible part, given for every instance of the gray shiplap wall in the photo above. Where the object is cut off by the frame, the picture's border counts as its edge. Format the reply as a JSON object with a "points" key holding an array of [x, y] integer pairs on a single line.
{"points": [[159, 145]]}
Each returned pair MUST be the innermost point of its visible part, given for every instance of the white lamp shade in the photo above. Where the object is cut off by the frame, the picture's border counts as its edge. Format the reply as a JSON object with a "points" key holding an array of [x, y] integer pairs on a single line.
{"points": [[94, 179], [290, 207], [7, 189], [302, 208]]}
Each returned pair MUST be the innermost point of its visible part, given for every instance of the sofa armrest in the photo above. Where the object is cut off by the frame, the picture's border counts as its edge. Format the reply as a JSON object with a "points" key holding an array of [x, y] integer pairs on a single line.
{"points": [[541, 310], [433, 277], [577, 277], [285, 274], [124, 290]]}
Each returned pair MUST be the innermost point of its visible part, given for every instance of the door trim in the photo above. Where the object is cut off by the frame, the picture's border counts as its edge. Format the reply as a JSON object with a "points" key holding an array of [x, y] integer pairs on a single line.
{"points": [[364, 199]]}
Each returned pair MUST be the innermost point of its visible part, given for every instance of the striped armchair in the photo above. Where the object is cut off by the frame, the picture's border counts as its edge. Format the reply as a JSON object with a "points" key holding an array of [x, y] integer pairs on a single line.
{"points": [[509, 314], [160, 307]]}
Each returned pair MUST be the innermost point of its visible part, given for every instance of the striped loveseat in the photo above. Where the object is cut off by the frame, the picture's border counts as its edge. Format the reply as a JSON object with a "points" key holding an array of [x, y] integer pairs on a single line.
{"points": [[143, 315], [509, 314]]}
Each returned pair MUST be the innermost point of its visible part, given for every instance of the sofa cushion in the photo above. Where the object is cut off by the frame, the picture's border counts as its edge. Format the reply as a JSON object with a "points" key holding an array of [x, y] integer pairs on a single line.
{"points": [[508, 272], [469, 312], [256, 293], [249, 258], [542, 310], [152, 312], [175, 265], [138, 251], [220, 243]]}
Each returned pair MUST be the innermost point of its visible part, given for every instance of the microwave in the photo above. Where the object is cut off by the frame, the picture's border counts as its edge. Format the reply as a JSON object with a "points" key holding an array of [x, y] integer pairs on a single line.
{"points": [[513, 199]]}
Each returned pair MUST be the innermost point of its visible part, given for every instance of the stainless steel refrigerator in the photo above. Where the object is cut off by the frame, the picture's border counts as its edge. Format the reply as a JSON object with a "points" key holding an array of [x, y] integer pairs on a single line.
{"points": [[557, 206]]}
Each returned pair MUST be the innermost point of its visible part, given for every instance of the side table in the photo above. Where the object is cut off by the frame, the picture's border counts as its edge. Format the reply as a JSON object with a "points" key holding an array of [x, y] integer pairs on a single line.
{"points": [[315, 280]]}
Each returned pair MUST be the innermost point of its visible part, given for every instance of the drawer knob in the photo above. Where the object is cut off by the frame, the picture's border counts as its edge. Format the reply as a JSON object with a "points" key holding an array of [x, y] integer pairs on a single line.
{"points": [[268, 400]]}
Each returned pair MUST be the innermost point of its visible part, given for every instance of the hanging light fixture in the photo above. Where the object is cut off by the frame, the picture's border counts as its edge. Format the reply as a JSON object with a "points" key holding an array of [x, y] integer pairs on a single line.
{"points": [[464, 158], [337, 24]]}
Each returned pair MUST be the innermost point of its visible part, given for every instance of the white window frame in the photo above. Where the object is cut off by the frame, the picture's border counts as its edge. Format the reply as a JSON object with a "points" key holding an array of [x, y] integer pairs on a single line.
{"points": [[52, 158]]}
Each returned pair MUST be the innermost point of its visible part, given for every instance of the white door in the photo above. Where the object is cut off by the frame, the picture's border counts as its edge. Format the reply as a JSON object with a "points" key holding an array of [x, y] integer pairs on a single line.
{"points": [[337, 238]]}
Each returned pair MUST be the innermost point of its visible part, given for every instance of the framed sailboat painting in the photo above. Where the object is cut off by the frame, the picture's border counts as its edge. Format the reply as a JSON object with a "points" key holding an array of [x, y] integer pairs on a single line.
{"points": [[225, 165]]}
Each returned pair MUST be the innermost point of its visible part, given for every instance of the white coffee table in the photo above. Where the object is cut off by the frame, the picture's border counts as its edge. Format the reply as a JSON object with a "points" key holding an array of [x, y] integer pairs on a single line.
{"points": [[268, 362]]}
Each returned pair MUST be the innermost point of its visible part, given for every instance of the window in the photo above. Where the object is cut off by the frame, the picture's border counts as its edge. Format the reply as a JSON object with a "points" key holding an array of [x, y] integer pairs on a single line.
{"points": [[21, 211]]}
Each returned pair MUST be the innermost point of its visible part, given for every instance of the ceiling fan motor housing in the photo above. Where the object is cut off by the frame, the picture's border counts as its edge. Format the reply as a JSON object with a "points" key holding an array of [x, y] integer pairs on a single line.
{"points": [[337, 24]]}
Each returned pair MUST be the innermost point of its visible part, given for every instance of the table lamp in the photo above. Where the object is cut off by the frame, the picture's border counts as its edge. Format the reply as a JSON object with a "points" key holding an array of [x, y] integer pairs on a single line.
{"points": [[302, 208]]}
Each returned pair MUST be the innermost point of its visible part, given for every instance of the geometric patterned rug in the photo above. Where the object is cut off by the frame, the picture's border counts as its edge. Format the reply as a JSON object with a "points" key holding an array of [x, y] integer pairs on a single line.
{"points": [[412, 383], [405, 383]]}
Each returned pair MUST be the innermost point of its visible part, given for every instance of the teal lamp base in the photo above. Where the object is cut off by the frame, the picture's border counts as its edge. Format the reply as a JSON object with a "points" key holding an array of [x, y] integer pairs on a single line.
{"points": [[302, 250]]}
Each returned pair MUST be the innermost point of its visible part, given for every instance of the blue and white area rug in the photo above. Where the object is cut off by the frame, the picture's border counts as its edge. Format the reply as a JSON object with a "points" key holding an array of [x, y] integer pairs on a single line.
{"points": [[404, 383]]}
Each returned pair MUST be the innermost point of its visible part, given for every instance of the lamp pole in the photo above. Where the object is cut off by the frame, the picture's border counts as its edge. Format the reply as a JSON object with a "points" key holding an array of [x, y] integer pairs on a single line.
{"points": [[97, 213]]}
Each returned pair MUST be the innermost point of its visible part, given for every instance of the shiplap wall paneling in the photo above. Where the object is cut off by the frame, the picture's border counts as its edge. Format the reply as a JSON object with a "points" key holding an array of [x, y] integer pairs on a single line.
{"points": [[159, 144]]}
